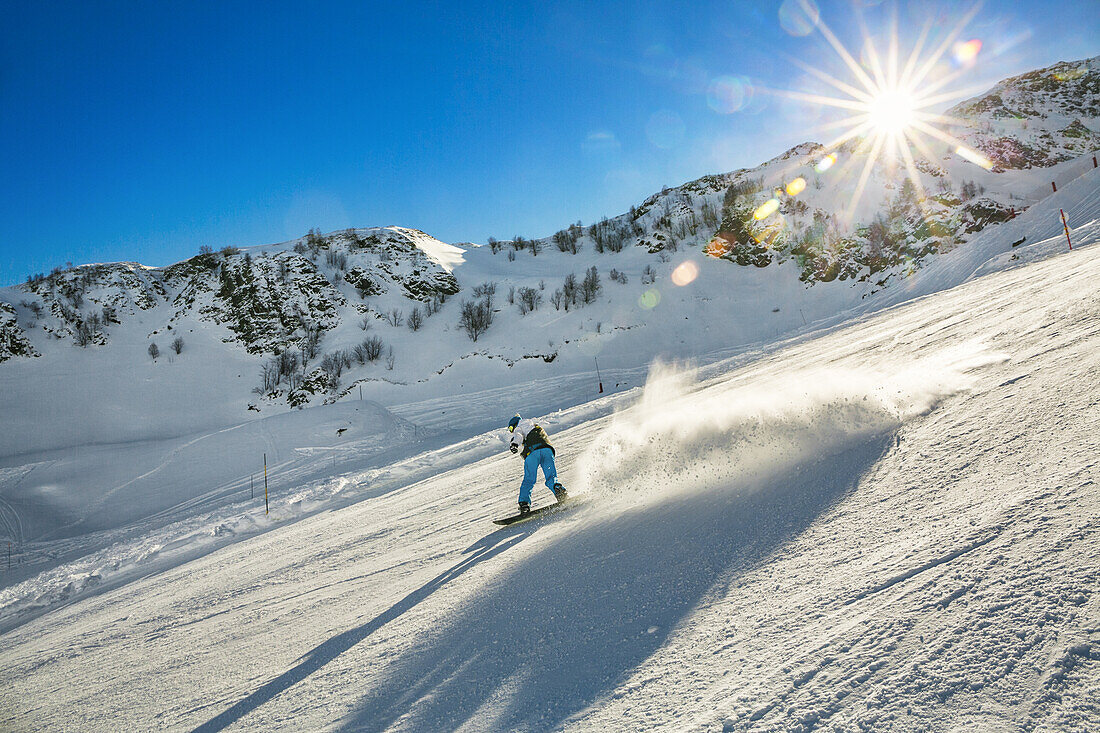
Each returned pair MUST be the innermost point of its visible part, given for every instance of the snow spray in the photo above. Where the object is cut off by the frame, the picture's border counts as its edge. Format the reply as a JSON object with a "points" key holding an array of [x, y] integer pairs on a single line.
{"points": [[684, 436]]}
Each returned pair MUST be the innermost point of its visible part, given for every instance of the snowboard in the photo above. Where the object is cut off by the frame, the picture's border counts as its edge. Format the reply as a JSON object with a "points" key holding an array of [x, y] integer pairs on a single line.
{"points": [[542, 511]]}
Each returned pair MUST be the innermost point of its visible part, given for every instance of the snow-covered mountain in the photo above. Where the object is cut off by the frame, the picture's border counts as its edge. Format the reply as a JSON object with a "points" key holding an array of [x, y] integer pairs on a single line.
{"points": [[839, 464], [1041, 118], [368, 306], [889, 523]]}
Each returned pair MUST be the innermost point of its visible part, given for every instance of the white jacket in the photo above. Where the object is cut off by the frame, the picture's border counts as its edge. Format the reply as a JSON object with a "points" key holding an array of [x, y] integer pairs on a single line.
{"points": [[517, 436]]}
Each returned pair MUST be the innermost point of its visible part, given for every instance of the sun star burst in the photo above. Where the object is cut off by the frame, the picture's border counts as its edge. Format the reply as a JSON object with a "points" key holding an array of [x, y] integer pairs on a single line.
{"points": [[889, 99]]}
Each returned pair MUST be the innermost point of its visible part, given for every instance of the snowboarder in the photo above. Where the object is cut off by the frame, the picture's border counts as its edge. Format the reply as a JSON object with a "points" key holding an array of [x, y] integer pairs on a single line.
{"points": [[534, 445]]}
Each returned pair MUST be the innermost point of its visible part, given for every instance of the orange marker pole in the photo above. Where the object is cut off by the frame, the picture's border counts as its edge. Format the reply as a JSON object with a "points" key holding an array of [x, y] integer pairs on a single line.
{"points": [[1066, 229]]}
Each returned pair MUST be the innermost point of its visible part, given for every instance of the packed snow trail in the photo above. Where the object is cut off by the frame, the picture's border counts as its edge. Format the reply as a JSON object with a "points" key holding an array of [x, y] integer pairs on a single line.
{"points": [[914, 550]]}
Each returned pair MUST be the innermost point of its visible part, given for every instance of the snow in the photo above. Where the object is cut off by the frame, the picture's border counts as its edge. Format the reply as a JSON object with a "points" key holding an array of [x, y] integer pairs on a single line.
{"points": [[885, 520], [845, 505]]}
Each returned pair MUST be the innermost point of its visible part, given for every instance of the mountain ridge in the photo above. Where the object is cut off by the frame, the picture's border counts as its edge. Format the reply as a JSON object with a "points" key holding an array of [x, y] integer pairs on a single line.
{"points": [[324, 305]]}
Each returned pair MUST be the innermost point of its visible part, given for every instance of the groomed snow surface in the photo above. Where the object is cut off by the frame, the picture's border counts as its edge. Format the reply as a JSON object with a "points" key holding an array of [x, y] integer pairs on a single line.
{"points": [[891, 525], [887, 523]]}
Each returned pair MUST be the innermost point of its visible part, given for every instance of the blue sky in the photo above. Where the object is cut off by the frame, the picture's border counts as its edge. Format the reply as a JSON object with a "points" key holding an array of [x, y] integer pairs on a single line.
{"points": [[141, 131]]}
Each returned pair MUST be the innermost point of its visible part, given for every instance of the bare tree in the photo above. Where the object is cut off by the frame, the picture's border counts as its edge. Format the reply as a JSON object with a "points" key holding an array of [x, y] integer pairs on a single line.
{"points": [[310, 343], [288, 363], [590, 286], [372, 348], [82, 334], [395, 317], [333, 365], [416, 319], [529, 299], [476, 318], [154, 351], [269, 374], [486, 291], [177, 344], [569, 289]]}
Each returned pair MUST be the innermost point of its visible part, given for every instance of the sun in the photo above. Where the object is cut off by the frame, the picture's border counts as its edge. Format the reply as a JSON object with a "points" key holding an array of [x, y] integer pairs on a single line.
{"points": [[890, 97], [892, 111]]}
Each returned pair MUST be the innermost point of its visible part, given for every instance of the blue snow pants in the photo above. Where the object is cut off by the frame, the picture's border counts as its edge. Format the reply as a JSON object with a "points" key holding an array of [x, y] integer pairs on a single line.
{"points": [[541, 457]]}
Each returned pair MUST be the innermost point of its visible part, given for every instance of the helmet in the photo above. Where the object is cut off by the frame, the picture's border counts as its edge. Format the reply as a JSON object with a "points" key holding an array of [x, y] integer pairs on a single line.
{"points": [[513, 423]]}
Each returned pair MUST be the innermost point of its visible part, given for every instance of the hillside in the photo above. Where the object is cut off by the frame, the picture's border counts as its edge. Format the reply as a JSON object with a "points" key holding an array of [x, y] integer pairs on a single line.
{"points": [[380, 308], [889, 524]]}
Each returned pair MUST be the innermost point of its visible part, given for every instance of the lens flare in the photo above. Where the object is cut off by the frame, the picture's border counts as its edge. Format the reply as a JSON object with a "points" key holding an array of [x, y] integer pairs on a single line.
{"points": [[825, 163], [766, 209], [650, 299], [685, 273], [798, 17], [796, 186], [1071, 74], [727, 94], [717, 247], [965, 53], [974, 157]]}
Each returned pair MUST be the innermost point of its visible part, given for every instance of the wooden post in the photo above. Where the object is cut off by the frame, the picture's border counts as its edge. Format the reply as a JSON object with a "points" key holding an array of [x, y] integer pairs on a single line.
{"points": [[1054, 186], [598, 377], [1094, 161], [360, 393], [1066, 229], [266, 507]]}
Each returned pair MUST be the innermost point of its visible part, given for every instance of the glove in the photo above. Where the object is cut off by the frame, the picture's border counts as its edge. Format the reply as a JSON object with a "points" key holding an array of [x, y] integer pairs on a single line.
{"points": [[514, 448]]}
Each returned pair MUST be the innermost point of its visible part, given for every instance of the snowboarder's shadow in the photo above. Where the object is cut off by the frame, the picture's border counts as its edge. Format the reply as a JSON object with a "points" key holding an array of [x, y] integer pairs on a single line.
{"points": [[553, 636], [484, 549]]}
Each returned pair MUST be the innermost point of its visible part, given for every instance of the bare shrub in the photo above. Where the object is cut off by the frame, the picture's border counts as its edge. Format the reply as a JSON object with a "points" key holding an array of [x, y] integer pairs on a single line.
{"points": [[372, 348], [529, 299], [590, 286], [476, 318]]}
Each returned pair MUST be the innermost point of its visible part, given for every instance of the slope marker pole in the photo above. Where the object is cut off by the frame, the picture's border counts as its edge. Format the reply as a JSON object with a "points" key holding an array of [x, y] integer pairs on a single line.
{"points": [[1065, 228], [598, 377], [252, 486], [266, 507]]}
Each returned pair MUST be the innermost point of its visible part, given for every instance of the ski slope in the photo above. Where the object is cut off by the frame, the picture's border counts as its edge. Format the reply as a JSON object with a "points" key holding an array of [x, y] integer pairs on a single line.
{"points": [[887, 521]]}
